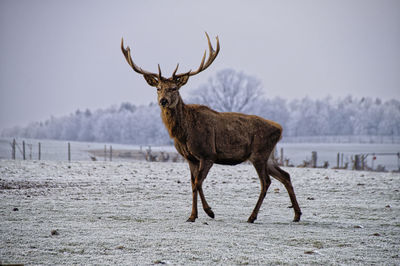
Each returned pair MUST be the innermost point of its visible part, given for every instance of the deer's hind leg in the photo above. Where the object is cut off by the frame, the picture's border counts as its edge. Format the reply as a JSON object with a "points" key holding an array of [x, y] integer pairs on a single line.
{"points": [[284, 178], [198, 172], [262, 171]]}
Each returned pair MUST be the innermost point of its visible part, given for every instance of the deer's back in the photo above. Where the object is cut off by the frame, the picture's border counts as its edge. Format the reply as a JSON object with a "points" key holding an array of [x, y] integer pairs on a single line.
{"points": [[227, 138]]}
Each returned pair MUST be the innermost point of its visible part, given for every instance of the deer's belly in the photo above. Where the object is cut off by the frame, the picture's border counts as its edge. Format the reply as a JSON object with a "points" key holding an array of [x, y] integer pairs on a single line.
{"points": [[232, 153], [229, 161]]}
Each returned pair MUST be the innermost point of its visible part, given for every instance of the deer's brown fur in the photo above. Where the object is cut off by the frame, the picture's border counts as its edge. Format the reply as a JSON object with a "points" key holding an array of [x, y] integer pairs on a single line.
{"points": [[204, 137]]}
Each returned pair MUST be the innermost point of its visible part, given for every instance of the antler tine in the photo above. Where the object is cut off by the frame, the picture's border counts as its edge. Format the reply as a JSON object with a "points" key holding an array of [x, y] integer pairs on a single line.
{"points": [[159, 72], [201, 64], [212, 55], [176, 69], [212, 52], [128, 57]]}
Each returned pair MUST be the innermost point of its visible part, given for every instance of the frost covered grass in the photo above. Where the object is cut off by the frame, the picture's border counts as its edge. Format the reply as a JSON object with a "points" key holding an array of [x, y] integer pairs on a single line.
{"points": [[135, 212]]}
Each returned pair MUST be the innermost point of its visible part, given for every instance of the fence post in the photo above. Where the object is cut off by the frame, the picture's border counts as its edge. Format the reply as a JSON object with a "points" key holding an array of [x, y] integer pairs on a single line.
{"points": [[110, 153], [69, 152], [337, 160], [362, 162], [14, 144], [30, 151], [341, 160], [23, 150], [281, 156], [105, 152], [356, 165], [314, 159], [39, 151]]}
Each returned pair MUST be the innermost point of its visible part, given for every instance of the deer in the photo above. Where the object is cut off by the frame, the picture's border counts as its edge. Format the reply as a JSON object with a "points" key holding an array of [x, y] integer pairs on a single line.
{"points": [[205, 137]]}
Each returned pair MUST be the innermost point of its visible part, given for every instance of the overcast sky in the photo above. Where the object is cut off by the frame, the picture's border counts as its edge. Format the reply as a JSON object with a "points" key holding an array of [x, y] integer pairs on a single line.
{"points": [[58, 56]]}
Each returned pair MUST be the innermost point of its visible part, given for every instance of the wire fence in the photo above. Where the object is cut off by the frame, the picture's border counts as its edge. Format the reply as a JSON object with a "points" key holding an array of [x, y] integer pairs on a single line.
{"points": [[350, 139], [28, 149], [371, 157]]}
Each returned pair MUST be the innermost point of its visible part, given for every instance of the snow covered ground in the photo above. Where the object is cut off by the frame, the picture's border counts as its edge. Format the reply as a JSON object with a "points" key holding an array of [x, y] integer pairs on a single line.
{"points": [[55, 212]]}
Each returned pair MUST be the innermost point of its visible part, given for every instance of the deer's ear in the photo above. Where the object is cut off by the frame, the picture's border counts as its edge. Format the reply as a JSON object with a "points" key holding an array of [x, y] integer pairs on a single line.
{"points": [[182, 80], [151, 80]]}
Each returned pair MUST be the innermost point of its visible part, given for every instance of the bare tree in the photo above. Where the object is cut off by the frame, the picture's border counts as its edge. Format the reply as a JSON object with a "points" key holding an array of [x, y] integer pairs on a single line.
{"points": [[229, 91]]}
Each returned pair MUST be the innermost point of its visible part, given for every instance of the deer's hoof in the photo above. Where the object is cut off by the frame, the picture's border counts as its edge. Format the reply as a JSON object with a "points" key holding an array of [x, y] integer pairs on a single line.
{"points": [[297, 218], [209, 212], [251, 219], [191, 220]]}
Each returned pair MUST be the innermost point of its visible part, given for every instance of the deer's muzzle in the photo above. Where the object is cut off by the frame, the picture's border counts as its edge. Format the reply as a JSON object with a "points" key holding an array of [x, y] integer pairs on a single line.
{"points": [[163, 102]]}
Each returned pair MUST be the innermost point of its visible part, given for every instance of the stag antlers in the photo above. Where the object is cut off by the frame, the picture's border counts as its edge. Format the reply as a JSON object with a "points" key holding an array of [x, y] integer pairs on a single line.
{"points": [[175, 77]]}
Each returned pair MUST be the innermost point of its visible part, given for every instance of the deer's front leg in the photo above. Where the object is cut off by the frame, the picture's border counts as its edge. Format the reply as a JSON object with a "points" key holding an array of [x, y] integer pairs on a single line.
{"points": [[193, 216], [198, 174]]}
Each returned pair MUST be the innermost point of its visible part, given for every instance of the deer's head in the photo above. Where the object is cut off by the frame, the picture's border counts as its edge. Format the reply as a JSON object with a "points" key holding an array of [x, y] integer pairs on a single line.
{"points": [[168, 88]]}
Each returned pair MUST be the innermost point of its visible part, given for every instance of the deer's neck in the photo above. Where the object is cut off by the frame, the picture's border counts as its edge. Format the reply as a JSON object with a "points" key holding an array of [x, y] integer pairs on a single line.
{"points": [[174, 120]]}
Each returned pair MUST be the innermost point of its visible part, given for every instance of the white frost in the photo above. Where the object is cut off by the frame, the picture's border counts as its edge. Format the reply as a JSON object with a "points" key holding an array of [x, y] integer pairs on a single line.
{"points": [[135, 212]]}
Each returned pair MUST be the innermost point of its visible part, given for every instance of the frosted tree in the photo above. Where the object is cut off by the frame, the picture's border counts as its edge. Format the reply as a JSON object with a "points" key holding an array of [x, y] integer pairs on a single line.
{"points": [[87, 132], [273, 109], [303, 118], [341, 117], [229, 91], [389, 125]]}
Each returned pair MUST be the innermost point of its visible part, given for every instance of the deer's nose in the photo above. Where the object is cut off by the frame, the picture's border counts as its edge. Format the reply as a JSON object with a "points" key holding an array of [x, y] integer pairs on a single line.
{"points": [[163, 102]]}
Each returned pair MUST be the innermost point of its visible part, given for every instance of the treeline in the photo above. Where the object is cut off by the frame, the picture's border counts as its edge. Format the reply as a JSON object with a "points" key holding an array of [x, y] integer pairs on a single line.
{"points": [[347, 116], [132, 124]]}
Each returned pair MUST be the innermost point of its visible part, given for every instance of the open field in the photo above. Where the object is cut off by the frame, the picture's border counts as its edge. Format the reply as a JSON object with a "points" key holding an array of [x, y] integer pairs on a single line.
{"points": [[135, 212]]}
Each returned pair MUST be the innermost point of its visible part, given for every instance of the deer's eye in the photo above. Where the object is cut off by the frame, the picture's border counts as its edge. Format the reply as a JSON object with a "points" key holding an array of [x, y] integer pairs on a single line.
{"points": [[158, 89]]}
